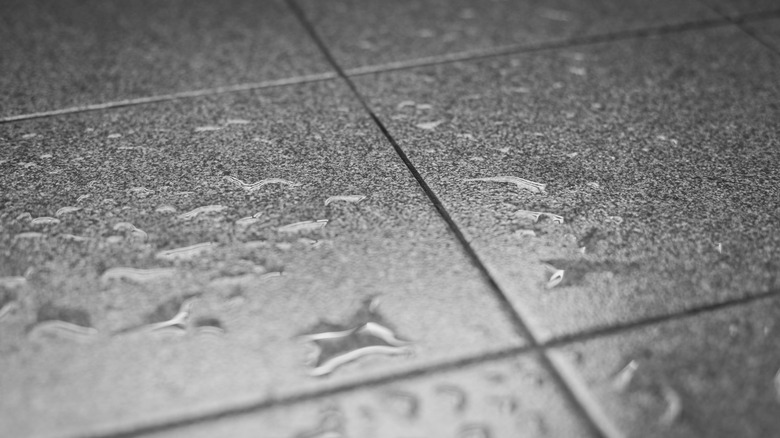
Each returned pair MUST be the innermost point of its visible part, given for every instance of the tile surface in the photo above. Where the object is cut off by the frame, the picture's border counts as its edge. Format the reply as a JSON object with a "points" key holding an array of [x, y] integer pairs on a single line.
{"points": [[502, 399], [241, 342], [734, 8], [767, 30], [361, 33], [713, 375], [659, 154], [68, 53]]}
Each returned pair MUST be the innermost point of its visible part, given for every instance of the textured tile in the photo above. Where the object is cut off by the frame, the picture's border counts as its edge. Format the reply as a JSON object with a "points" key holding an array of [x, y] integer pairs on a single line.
{"points": [[660, 155], [361, 33], [68, 53], [712, 375], [507, 398], [152, 166]]}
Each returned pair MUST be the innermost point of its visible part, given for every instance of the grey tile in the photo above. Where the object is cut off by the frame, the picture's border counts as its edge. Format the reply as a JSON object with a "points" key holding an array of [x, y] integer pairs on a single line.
{"points": [[130, 162], [361, 33], [766, 30], [507, 398], [712, 375], [70, 53], [660, 154], [735, 8]]}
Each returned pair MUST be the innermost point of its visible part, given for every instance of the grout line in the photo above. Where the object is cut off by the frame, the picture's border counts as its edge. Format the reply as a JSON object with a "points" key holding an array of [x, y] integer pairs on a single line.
{"points": [[596, 425], [288, 400], [173, 96], [471, 55], [739, 21], [572, 379]]}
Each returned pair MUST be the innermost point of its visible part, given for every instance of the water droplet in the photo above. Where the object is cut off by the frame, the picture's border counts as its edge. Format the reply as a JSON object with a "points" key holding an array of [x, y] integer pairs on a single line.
{"points": [[429, 126], [402, 403], [28, 235], [237, 122], [207, 128], [719, 248], [615, 219], [303, 226], [246, 221], [523, 184], [114, 135], [136, 233], [66, 210], [45, 220], [474, 431], [69, 323], [161, 319], [524, 233], [24, 217], [579, 71], [46, 156], [673, 405], [507, 405], [200, 210], [556, 278], [207, 325], [140, 191], [74, 238], [345, 198], [165, 209], [14, 282], [535, 215], [82, 197], [455, 396], [365, 334], [256, 185], [624, 377], [185, 253], [137, 275]]}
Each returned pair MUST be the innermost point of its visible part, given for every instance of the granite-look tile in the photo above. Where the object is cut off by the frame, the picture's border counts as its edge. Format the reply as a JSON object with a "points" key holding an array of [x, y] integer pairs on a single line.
{"points": [[660, 155], [134, 176], [502, 399], [370, 32], [72, 53], [712, 375]]}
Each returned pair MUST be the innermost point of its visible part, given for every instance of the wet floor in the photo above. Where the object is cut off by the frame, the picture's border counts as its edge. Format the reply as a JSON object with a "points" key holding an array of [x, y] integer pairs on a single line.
{"points": [[422, 218]]}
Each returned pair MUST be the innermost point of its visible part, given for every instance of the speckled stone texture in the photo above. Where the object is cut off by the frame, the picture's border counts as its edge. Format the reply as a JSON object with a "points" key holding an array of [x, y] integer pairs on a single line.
{"points": [[506, 398], [369, 32], [660, 154], [713, 375], [72, 52], [141, 163]]}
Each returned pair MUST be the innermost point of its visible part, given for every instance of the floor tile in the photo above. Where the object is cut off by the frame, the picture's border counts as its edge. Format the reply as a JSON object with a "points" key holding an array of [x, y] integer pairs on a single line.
{"points": [[712, 375], [659, 155], [88, 347], [734, 8], [361, 33], [508, 398], [69, 53], [767, 30]]}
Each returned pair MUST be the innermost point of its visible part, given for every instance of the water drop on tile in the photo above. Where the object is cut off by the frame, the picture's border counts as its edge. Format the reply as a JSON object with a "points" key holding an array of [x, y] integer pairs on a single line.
{"points": [[429, 126], [523, 184], [673, 405], [403, 404], [352, 199], [206, 209], [29, 235], [455, 397], [172, 314], [304, 226], [114, 136], [623, 378], [207, 128], [185, 253], [237, 122], [66, 210], [82, 197], [131, 230], [62, 322], [45, 220], [207, 325], [165, 209], [140, 191], [137, 275], [365, 334], [250, 187], [534, 216]]}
